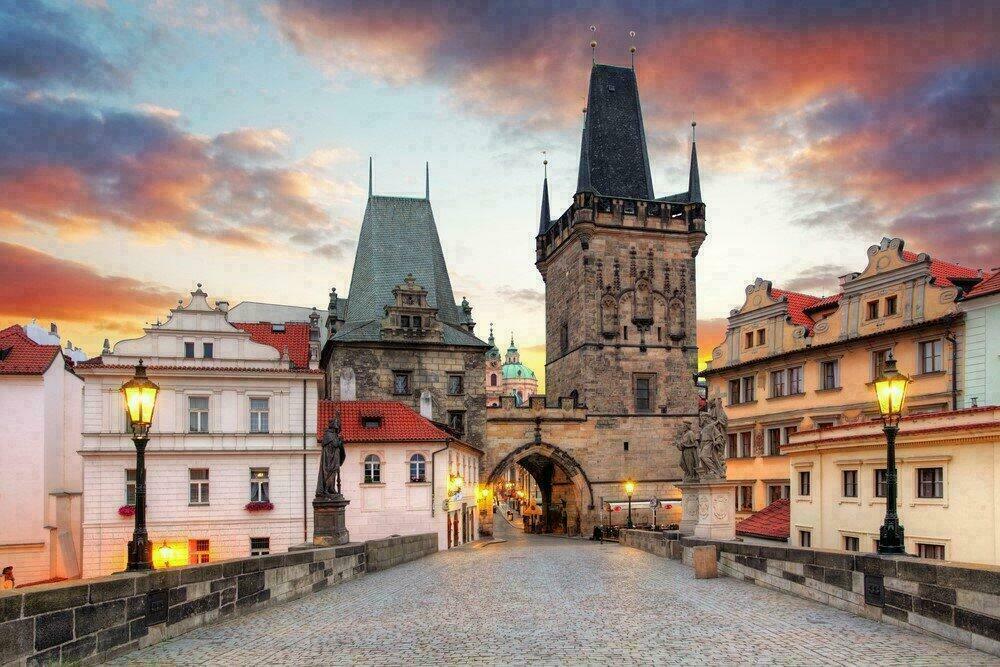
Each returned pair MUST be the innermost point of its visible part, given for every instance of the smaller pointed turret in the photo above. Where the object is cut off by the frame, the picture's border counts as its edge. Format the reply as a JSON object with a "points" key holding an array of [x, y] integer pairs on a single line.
{"points": [[369, 175], [545, 217], [694, 181]]}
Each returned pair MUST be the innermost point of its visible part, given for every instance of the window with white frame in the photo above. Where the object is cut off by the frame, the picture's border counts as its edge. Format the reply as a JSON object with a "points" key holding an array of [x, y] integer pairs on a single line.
{"points": [[930, 482], [773, 441], [373, 469], [829, 374], [198, 481], [260, 415], [935, 551], [930, 360], [778, 386], [849, 486], [260, 546], [418, 468], [260, 485], [795, 380], [198, 551], [198, 414], [130, 486], [741, 390]]}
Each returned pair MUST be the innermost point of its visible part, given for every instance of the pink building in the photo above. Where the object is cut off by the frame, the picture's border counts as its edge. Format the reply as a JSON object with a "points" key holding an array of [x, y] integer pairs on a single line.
{"points": [[404, 474], [42, 481], [509, 377]]}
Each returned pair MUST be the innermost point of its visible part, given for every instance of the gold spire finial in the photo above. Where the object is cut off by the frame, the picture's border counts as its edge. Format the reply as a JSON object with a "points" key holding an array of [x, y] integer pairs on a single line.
{"points": [[593, 45]]}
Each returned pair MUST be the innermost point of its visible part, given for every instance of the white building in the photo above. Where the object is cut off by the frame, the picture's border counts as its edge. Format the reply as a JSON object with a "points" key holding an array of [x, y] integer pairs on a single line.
{"points": [[982, 343], [402, 473], [234, 425], [41, 401]]}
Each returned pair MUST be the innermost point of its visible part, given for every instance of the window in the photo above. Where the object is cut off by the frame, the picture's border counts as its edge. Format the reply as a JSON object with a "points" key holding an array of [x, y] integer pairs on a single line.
{"points": [[930, 482], [456, 385], [260, 484], [198, 414], [207, 350], [401, 383], [564, 337], [761, 336], [373, 469], [880, 482], [872, 312], [890, 305], [659, 334], [418, 468], [732, 448], [278, 328], [198, 478], [734, 392], [850, 483], [744, 499], [130, 486], [878, 362], [371, 421], [778, 387], [777, 492], [825, 423], [935, 551], [418, 321], [830, 374], [795, 380], [748, 389], [748, 339], [773, 441], [197, 551], [189, 350], [259, 415], [805, 538], [930, 356], [493, 379], [642, 395], [625, 332], [404, 321], [260, 546], [741, 390], [746, 444], [851, 543], [456, 420], [804, 483]]}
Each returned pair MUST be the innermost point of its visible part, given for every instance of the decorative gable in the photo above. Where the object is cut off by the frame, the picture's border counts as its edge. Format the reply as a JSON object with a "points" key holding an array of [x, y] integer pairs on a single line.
{"points": [[411, 316]]}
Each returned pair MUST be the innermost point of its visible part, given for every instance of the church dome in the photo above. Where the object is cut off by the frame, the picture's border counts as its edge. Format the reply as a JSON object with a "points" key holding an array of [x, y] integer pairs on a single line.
{"points": [[517, 371]]}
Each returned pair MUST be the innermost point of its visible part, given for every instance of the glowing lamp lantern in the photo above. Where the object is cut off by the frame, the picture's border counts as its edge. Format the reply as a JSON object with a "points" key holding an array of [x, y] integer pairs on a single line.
{"points": [[629, 490], [890, 389], [140, 401], [165, 552]]}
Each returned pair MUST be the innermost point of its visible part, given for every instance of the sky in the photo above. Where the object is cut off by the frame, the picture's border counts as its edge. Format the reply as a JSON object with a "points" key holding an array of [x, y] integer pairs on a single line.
{"points": [[149, 146]]}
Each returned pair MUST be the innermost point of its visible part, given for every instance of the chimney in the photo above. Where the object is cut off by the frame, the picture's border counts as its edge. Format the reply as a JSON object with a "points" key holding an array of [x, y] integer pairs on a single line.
{"points": [[222, 306]]}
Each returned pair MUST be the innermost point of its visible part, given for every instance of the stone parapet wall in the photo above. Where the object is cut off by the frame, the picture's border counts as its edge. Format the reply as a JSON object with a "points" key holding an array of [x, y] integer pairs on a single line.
{"points": [[93, 620], [960, 602], [393, 551]]}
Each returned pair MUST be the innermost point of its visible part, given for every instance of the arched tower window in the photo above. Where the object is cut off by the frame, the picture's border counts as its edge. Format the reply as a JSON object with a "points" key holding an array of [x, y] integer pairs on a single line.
{"points": [[373, 469], [493, 379]]}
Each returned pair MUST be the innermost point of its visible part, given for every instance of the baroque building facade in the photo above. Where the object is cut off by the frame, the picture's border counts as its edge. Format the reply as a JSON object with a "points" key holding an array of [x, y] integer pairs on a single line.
{"points": [[400, 335], [507, 376], [797, 362], [619, 272]]}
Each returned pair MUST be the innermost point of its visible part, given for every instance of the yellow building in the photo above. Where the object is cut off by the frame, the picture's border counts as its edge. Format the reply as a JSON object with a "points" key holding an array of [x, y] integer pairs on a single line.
{"points": [[949, 485], [793, 361]]}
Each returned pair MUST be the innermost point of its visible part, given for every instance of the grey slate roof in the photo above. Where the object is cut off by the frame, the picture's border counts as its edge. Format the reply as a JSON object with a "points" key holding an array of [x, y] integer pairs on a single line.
{"points": [[398, 237], [545, 219], [613, 157]]}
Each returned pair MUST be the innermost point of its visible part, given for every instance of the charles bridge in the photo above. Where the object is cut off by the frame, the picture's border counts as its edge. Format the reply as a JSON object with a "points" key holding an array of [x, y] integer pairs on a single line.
{"points": [[530, 598]]}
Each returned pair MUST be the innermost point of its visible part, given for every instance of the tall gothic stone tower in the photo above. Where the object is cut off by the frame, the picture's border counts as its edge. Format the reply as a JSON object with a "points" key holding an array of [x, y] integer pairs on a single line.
{"points": [[619, 270]]}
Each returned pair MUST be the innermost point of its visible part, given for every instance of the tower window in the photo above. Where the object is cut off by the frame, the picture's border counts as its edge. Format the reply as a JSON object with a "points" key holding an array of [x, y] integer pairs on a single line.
{"points": [[625, 332]]}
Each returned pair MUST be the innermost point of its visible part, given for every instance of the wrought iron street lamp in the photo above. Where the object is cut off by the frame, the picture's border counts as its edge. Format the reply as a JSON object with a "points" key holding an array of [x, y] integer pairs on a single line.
{"points": [[629, 490], [139, 394], [890, 389]]}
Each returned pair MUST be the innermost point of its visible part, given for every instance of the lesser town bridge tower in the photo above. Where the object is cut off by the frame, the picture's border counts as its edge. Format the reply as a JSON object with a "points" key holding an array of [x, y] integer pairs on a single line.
{"points": [[620, 320]]}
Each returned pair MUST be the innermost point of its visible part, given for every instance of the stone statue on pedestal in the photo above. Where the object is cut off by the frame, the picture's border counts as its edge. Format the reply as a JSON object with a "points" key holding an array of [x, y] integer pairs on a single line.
{"points": [[687, 443], [708, 498], [332, 457]]}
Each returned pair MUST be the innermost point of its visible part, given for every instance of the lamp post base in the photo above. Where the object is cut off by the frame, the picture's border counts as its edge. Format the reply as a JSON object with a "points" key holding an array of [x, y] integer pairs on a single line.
{"points": [[140, 555], [890, 540]]}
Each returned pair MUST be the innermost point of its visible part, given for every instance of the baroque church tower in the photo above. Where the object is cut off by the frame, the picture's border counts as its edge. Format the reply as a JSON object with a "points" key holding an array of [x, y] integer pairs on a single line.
{"points": [[619, 269]]}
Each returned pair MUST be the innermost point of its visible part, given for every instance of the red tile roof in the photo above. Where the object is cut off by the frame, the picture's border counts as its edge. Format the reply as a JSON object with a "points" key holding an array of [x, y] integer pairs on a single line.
{"points": [[295, 338], [399, 423], [797, 303], [23, 356], [989, 286], [771, 523], [825, 302], [944, 270]]}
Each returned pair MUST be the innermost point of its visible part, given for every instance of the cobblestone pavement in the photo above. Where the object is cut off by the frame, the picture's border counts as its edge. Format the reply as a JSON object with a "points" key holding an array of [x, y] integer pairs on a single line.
{"points": [[543, 600]]}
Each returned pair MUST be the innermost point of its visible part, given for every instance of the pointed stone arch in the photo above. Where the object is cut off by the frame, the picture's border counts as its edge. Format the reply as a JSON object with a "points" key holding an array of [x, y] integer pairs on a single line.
{"points": [[574, 472]]}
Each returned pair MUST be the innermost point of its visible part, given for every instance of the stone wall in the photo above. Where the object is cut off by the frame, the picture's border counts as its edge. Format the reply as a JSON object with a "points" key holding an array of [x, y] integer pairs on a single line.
{"points": [[94, 620], [383, 554], [960, 602]]}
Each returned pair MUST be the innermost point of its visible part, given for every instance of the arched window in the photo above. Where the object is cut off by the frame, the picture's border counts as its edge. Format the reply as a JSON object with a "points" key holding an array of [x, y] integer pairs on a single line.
{"points": [[418, 468], [575, 395], [493, 379], [373, 469]]}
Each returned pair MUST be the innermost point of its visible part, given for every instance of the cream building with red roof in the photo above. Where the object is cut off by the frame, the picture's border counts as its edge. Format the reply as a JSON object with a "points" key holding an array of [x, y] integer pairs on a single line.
{"points": [[404, 474], [41, 484], [793, 362], [232, 458]]}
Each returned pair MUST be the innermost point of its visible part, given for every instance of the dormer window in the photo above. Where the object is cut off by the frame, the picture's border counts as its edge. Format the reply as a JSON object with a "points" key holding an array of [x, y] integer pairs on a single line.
{"points": [[5, 352], [417, 321], [278, 328], [404, 321], [372, 421]]}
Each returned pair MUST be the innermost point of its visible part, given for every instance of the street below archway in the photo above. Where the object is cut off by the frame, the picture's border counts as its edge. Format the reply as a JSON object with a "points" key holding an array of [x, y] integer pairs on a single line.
{"points": [[538, 599]]}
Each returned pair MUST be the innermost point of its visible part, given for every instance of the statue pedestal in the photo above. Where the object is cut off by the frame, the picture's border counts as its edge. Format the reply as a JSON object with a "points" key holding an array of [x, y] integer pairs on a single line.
{"points": [[329, 527], [709, 509]]}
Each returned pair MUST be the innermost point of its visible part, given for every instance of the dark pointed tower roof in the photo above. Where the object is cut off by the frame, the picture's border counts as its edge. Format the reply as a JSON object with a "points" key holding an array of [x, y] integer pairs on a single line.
{"points": [[694, 181], [614, 161], [545, 217]]}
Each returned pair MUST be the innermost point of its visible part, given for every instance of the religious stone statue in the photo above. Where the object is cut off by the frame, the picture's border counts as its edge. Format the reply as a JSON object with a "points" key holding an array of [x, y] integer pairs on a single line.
{"points": [[687, 443], [333, 455], [711, 448]]}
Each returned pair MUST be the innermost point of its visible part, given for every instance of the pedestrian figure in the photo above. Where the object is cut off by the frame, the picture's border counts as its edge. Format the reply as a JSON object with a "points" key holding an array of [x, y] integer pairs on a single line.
{"points": [[8, 578]]}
